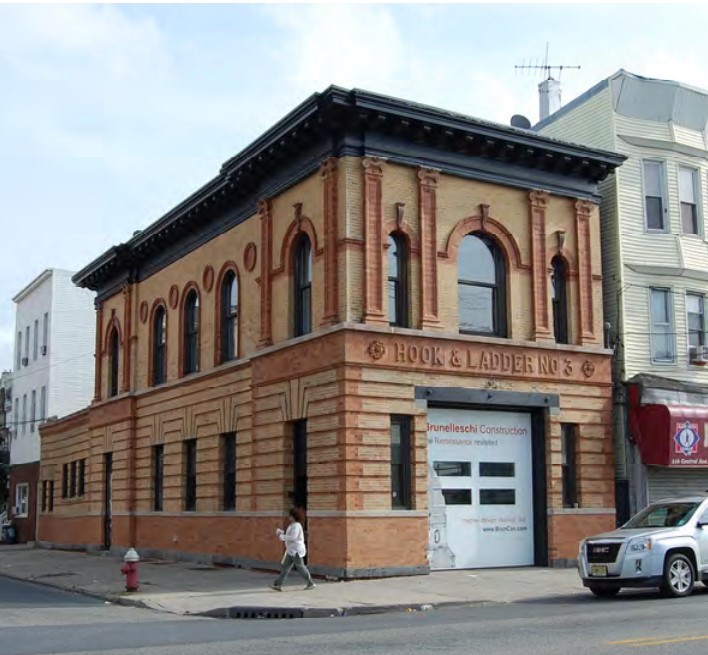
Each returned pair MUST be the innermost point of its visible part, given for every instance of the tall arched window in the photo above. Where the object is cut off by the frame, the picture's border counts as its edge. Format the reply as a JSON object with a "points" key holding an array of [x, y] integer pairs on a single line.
{"points": [[559, 299], [114, 362], [302, 272], [159, 346], [191, 333], [397, 281], [481, 285], [229, 317]]}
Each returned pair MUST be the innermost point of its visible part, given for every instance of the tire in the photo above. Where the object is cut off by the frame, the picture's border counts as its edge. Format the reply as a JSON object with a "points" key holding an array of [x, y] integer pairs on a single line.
{"points": [[679, 576], [604, 592]]}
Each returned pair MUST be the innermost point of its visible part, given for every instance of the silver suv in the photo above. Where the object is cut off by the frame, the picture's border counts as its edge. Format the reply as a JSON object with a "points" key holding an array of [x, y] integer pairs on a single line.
{"points": [[665, 546]]}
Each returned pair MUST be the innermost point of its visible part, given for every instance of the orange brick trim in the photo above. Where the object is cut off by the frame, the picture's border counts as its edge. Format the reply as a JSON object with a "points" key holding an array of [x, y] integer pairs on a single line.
{"points": [[264, 209], [330, 185], [586, 319], [218, 336], [160, 302], [490, 227], [98, 355], [373, 240], [428, 179], [208, 278], [297, 227], [191, 285], [538, 202], [128, 323], [113, 322]]}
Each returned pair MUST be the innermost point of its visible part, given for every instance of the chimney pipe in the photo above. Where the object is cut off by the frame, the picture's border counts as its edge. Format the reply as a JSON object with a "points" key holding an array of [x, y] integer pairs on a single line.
{"points": [[549, 97]]}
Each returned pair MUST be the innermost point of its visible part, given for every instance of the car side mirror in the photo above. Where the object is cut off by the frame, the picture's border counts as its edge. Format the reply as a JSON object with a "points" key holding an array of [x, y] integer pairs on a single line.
{"points": [[701, 525]]}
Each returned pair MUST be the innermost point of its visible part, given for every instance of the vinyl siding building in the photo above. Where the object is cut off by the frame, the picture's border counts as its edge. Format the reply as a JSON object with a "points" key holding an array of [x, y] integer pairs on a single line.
{"points": [[52, 376], [655, 269]]}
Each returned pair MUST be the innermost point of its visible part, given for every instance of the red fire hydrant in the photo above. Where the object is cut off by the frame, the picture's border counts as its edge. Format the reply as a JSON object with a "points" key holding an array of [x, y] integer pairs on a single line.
{"points": [[130, 570]]}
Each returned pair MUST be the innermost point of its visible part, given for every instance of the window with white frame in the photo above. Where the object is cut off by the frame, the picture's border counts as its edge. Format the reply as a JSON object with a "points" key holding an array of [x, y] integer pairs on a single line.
{"points": [[662, 328], [27, 341], [24, 414], [695, 320], [688, 197], [21, 500], [18, 365], [45, 332], [17, 417], [654, 200], [43, 404], [33, 410], [35, 342]]}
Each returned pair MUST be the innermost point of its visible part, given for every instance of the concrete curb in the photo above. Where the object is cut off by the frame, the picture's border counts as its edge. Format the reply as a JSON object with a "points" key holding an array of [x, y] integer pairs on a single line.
{"points": [[258, 612]]}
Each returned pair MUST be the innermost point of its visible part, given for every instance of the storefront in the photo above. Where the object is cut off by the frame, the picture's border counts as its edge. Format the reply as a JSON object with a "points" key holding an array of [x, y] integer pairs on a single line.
{"points": [[669, 427]]}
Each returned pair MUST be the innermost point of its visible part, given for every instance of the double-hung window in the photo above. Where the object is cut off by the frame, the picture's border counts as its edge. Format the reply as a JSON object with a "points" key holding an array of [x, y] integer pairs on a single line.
{"points": [[688, 198], [695, 319], [654, 197], [662, 325]]}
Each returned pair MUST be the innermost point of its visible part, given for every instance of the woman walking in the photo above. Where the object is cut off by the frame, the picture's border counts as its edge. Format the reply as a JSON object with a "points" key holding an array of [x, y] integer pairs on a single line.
{"points": [[295, 551]]}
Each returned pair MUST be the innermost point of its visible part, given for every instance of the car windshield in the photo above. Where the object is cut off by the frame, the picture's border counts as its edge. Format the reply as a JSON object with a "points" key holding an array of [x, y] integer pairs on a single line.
{"points": [[663, 515]]}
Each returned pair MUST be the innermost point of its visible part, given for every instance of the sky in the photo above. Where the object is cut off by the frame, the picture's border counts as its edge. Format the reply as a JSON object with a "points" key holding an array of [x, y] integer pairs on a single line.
{"points": [[110, 115]]}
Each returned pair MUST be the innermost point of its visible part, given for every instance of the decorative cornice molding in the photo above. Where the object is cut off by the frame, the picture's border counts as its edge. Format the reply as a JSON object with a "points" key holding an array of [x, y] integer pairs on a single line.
{"points": [[539, 198], [374, 165], [428, 176]]}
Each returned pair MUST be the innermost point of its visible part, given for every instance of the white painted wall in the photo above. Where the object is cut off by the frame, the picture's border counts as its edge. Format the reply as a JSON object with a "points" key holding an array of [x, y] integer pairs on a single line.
{"points": [[67, 368], [73, 329]]}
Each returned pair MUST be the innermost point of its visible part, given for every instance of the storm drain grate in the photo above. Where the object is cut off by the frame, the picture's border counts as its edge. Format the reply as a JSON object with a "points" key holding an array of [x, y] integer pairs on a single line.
{"points": [[264, 613]]}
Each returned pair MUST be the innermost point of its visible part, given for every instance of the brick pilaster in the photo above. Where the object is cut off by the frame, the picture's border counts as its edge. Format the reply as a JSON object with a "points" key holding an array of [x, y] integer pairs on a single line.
{"points": [[330, 182], [98, 357], [264, 209], [538, 202], [373, 241], [586, 317], [427, 197], [127, 332]]}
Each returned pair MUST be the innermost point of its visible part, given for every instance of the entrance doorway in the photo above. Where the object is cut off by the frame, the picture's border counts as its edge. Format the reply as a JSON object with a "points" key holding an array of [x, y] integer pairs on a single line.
{"points": [[481, 488], [299, 493], [107, 497]]}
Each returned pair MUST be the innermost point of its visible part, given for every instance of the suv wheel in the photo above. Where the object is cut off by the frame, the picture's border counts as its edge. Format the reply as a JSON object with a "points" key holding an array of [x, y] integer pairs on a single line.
{"points": [[679, 577], [604, 592]]}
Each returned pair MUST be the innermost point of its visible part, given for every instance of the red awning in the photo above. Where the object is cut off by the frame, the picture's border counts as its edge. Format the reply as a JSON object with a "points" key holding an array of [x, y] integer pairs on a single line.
{"points": [[671, 435]]}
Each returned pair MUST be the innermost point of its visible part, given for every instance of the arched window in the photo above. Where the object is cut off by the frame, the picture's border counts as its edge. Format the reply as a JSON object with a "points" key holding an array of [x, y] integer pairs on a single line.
{"points": [[114, 362], [397, 281], [302, 272], [559, 298], [191, 333], [159, 346], [229, 317], [481, 285]]}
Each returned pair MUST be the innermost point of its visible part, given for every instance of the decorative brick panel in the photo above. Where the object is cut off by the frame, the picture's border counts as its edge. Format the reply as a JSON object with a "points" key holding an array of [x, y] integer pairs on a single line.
{"points": [[330, 183], [586, 318], [427, 194], [373, 241], [98, 354], [264, 209], [538, 202]]}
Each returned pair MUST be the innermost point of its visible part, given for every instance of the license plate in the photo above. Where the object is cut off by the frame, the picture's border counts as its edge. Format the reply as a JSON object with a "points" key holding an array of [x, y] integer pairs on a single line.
{"points": [[598, 570]]}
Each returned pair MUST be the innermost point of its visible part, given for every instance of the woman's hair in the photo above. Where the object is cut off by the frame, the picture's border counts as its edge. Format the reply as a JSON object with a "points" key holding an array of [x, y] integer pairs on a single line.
{"points": [[297, 514]]}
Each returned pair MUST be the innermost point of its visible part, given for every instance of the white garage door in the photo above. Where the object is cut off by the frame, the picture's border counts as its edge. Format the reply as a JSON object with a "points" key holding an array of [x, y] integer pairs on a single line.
{"points": [[671, 482], [480, 489]]}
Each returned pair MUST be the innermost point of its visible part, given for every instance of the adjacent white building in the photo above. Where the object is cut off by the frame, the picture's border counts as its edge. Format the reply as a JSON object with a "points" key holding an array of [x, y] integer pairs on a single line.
{"points": [[53, 375], [655, 269]]}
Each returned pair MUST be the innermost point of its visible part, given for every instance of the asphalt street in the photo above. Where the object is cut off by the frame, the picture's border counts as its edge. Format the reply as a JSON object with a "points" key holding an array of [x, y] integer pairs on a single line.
{"points": [[36, 620]]}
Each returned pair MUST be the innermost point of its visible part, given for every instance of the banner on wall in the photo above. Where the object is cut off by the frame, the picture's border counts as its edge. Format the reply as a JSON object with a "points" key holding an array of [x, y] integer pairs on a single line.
{"points": [[480, 491]]}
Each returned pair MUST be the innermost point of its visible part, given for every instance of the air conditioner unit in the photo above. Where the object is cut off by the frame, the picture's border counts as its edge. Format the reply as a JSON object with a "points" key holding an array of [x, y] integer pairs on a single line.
{"points": [[44, 350], [698, 355], [25, 361]]}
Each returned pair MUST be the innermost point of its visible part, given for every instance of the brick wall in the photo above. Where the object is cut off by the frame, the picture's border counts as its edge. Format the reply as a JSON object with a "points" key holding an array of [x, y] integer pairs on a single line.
{"points": [[345, 387]]}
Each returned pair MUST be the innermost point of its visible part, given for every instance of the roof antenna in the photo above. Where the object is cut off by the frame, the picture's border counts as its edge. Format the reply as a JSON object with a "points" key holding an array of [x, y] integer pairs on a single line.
{"points": [[549, 89]]}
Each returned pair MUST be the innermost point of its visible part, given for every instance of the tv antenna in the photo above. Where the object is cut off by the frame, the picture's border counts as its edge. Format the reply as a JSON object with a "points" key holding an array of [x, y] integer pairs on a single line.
{"points": [[544, 66]]}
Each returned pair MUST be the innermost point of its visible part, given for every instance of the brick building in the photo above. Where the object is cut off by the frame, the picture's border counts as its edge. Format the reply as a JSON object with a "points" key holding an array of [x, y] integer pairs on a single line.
{"points": [[383, 312]]}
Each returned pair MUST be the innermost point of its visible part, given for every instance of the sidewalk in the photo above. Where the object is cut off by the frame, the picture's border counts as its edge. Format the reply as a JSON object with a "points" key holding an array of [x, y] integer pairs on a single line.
{"points": [[196, 589]]}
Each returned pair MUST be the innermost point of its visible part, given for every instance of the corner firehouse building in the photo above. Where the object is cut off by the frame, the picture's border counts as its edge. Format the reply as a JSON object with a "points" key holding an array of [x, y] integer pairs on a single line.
{"points": [[385, 313]]}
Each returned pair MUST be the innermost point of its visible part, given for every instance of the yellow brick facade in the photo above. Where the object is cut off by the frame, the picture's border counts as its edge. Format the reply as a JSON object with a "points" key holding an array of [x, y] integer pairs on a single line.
{"points": [[346, 379]]}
